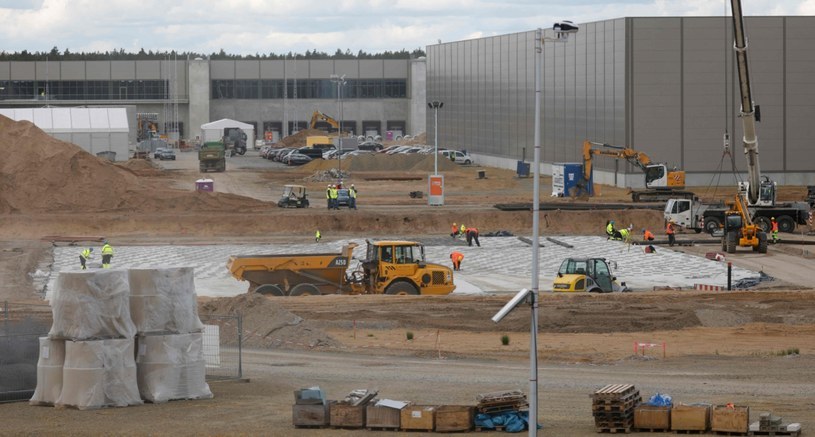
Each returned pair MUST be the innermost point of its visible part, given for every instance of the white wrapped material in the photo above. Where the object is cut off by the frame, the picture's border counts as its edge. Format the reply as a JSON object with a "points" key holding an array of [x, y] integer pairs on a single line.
{"points": [[92, 305], [172, 367], [98, 374], [164, 301], [49, 372]]}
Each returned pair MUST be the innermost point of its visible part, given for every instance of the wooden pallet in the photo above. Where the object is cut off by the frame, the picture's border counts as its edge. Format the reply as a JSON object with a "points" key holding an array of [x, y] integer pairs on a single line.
{"points": [[614, 430], [614, 391], [689, 431], [487, 429], [729, 433], [776, 433]]}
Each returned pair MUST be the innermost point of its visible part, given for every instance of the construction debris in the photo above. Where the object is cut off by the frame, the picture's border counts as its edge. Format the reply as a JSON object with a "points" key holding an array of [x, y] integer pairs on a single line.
{"points": [[770, 424], [330, 175]]}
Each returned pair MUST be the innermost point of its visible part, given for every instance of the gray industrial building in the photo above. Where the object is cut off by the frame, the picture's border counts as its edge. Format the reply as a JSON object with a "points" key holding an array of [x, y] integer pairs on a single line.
{"points": [[272, 95], [666, 86]]}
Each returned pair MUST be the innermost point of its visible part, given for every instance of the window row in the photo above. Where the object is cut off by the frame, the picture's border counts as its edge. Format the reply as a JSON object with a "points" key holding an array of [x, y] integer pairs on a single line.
{"points": [[84, 89], [308, 89]]}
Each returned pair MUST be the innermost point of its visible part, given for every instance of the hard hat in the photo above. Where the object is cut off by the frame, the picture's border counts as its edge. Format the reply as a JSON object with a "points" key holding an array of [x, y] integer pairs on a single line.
{"points": [[105, 242], [612, 222], [329, 185], [772, 218]]}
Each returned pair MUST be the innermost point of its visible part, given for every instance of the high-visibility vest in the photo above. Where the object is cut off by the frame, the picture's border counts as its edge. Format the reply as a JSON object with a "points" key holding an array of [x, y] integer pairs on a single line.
{"points": [[456, 256], [775, 226], [86, 253], [328, 193], [333, 193], [610, 229], [669, 229], [647, 234], [107, 250], [353, 193]]}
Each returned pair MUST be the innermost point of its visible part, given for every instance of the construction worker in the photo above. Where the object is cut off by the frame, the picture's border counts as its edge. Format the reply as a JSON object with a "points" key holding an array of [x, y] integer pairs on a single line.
{"points": [[647, 235], [457, 257], [317, 236], [670, 231], [84, 256], [623, 234], [454, 231], [472, 234], [610, 229], [328, 195], [107, 254], [334, 194], [774, 229], [461, 229], [352, 197]]}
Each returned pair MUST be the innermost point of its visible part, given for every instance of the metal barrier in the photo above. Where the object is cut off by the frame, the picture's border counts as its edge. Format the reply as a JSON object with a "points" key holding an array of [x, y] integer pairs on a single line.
{"points": [[21, 326], [223, 336]]}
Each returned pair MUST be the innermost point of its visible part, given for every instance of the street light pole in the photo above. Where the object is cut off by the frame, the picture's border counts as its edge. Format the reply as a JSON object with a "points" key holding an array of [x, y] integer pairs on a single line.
{"points": [[435, 105], [340, 81], [562, 31]]}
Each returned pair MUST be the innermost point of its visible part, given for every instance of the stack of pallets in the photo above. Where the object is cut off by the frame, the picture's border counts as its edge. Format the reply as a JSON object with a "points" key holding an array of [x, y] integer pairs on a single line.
{"points": [[613, 407], [501, 401]]}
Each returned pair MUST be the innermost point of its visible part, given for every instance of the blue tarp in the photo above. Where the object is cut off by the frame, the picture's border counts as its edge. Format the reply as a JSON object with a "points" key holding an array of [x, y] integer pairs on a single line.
{"points": [[512, 421], [660, 400]]}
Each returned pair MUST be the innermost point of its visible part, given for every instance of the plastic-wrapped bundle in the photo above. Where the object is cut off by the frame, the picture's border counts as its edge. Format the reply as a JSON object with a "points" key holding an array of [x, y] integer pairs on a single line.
{"points": [[98, 374], [172, 367], [49, 372], [164, 301], [92, 305]]}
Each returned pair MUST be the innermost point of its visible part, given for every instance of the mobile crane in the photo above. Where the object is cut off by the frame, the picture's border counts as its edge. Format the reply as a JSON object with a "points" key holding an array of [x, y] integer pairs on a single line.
{"points": [[661, 183]]}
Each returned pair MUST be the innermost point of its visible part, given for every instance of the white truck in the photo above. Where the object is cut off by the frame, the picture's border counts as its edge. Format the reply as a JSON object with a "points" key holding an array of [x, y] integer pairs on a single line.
{"points": [[693, 214]]}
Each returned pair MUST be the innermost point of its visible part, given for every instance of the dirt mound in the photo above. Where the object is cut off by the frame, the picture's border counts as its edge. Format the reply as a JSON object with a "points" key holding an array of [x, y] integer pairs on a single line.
{"points": [[383, 162], [141, 167], [299, 139], [39, 173], [267, 325]]}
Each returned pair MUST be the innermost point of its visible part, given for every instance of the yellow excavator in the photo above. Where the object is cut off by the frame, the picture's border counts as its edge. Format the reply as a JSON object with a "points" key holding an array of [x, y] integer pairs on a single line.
{"points": [[661, 183], [319, 116]]}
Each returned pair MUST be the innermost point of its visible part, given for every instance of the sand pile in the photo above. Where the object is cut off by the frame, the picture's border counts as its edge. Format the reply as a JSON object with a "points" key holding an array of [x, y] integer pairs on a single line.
{"points": [[266, 325], [413, 162], [299, 139], [39, 173], [141, 167]]}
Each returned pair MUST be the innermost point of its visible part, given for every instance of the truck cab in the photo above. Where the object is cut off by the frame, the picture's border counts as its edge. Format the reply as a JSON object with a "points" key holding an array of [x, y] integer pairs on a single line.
{"points": [[399, 267], [681, 211]]}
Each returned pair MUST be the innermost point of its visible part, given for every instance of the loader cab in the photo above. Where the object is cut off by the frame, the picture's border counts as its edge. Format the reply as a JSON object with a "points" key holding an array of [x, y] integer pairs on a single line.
{"points": [[587, 274], [732, 222]]}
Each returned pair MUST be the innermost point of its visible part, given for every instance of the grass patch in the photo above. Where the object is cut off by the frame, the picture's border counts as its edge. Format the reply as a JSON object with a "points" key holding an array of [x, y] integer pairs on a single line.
{"points": [[409, 335], [788, 351], [505, 340]]}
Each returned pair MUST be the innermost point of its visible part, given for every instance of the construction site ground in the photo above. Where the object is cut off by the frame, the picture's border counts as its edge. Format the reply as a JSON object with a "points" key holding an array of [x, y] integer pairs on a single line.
{"points": [[751, 347]]}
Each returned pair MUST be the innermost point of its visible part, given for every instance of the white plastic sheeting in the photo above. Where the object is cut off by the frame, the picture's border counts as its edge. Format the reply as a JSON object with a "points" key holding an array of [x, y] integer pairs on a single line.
{"points": [[49, 372], [164, 300], [98, 374], [96, 130], [172, 367], [91, 305]]}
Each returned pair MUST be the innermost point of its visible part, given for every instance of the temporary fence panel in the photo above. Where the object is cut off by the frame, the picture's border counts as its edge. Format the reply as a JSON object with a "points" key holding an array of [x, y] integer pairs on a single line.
{"points": [[21, 326], [222, 346]]}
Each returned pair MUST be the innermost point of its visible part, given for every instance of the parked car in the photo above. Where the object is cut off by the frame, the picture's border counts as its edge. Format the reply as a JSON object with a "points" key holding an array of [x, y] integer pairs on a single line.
{"points": [[375, 147], [157, 153], [457, 156], [167, 154], [295, 158], [342, 197]]}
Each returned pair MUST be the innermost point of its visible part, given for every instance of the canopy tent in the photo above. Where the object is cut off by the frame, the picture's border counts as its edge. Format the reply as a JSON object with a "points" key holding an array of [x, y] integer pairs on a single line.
{"points": [[214, 130], [99, 131]]}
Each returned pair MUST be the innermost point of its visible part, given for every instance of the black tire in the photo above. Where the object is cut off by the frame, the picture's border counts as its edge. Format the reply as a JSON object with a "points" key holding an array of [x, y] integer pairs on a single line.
{"points": [[724, 243], [732, 241], [763, 223], [305, 203], [762, 242], [305, 290], [402, 288], [269, 290], [712, 224], [786, 224]]}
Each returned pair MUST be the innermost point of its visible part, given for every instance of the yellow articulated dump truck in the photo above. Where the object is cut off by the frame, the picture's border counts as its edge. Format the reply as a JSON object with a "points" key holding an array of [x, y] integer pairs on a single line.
{"points": [[390, 267]]}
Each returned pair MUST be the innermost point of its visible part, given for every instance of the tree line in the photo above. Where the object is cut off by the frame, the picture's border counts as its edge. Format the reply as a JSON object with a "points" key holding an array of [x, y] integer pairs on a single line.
{"points": [[121, 55]]}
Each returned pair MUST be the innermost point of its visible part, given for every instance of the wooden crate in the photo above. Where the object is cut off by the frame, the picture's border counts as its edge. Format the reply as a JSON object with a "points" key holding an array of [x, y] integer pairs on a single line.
{"points": [[450, 418], [309, 415], [690, 417], [346, 416], [652, 417], [382, 417], [418, 417], [730, 419]]}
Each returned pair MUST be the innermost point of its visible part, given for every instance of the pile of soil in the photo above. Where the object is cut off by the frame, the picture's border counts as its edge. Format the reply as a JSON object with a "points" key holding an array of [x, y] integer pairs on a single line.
{"points": [[299, 139], [141, 167], [266, 325], [413, 162], [39, 173]]}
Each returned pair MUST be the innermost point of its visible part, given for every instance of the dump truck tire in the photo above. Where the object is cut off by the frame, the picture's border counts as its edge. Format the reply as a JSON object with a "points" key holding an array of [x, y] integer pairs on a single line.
{"points": [[305, 290], [402, 288], [269, 289]]}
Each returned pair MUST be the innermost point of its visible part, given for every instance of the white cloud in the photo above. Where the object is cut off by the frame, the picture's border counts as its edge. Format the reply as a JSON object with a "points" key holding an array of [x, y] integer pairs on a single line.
{"points": [[280, 26]]}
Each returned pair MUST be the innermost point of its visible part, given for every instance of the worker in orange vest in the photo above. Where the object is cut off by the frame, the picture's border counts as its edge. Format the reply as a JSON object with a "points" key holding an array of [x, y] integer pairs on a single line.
{"points": [[456, 257], [647, 235], [454, 231], [774, 229], [670, 231], [472, 234]]}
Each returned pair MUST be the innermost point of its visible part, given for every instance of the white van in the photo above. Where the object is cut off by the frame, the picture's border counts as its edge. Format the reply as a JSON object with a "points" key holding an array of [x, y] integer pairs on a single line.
{"points": [[457, 156]]}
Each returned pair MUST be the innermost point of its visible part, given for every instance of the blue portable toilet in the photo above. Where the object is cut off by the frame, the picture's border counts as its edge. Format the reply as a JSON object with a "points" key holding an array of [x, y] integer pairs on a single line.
{"points": [[567, 180]]}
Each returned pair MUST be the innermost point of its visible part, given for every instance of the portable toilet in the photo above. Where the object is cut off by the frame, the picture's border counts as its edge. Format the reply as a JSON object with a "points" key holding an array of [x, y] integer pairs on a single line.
{"points": [[567, 180], [207, 185]]}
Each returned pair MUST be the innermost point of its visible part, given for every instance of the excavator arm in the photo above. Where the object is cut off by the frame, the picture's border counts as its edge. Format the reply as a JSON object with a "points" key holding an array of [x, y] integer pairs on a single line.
{"points": [[319, 116]]}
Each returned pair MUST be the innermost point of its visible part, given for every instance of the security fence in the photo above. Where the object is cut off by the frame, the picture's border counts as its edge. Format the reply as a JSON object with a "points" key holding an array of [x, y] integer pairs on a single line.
{"points": [[223, 336]]}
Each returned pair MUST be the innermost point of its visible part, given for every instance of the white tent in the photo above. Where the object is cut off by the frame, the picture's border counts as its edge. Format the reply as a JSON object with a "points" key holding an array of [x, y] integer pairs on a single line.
{"points": [[214, 130], [99, 131]]}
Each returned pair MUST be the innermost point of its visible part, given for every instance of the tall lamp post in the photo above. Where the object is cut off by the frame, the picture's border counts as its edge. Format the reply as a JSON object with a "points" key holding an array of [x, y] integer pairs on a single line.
{"points": [[340, 81], [562, 31], [435, 105]]}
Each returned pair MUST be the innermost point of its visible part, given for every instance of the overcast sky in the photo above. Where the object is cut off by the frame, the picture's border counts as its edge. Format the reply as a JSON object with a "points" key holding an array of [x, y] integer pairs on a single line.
{"points": [[281, 26]]}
